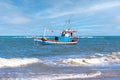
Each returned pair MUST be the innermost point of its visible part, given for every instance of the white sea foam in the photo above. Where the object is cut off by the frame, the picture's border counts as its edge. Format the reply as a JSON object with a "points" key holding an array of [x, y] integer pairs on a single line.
{"points": [[97, 59], [72, 76], [16, 62], [86, 37], [61, 76]]}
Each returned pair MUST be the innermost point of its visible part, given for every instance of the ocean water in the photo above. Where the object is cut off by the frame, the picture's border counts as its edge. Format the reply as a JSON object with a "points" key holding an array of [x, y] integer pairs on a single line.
{"points": [[93, 58]]}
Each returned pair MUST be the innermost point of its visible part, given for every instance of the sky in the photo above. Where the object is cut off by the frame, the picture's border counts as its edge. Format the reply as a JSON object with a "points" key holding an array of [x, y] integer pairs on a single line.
{"points": [[88, 17]]}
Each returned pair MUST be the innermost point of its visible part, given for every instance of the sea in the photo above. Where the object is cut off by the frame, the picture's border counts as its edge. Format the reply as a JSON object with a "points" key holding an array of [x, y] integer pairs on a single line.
{"points": [[93, 58]]}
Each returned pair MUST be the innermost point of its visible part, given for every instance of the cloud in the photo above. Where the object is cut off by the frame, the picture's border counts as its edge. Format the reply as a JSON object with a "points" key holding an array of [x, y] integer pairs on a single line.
{"points": [[103, 6], [117, 19], [12, 14], [60, 11], [16, 19], [6, 8], [86, 16]]}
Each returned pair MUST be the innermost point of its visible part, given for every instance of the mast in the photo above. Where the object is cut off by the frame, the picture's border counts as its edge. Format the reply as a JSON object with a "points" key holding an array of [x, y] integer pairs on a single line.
{"points": [[44, 32]]}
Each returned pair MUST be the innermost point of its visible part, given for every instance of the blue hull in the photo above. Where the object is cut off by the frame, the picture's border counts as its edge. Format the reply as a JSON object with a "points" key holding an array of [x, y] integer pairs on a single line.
{"points": [[40, 42]]}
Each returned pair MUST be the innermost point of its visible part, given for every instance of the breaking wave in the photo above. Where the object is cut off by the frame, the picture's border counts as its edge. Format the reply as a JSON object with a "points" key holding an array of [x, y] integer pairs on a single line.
{"points": [[17, 62], [61, 76], [86, 37], [92, 60], [72, 76]]}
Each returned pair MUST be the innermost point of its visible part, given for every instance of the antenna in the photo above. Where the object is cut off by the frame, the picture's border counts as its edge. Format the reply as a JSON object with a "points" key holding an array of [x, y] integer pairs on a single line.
{"points": [[67, 23], [44, 32]]}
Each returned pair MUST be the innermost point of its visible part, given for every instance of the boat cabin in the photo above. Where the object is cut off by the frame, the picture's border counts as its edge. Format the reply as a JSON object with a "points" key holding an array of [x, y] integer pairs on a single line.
{"points": [[66, 36]]}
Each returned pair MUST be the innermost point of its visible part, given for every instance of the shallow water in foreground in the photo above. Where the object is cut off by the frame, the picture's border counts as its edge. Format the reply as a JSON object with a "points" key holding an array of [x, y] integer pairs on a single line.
{"points": [[93, 58]]}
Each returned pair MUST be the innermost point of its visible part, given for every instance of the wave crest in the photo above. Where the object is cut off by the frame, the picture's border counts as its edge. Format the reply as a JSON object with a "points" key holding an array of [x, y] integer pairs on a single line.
{"points": [[16, 62], [61, 76], [72, 76], [96, 59]]}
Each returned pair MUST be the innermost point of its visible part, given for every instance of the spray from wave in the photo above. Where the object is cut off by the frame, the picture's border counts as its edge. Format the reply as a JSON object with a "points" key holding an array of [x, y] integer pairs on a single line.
{"points": [[17, 62], [96, 59]]}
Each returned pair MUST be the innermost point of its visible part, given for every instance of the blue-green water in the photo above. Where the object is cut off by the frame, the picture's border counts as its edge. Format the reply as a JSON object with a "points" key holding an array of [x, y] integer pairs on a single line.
{"points": [[96, 57]]}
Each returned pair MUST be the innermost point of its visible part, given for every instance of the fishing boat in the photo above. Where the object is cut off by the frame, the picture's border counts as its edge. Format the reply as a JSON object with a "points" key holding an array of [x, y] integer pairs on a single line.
{"points": [[67, 37]]}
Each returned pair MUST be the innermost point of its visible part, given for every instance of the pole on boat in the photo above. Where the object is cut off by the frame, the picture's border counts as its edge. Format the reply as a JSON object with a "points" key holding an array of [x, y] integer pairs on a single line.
{"points": [[44, 32]]}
